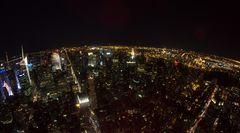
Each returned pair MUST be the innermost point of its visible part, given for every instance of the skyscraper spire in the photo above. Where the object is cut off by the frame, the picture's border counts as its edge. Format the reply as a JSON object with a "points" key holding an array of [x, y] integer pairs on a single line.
{"points": [[25, 60], [8, 66], [22, 52]]}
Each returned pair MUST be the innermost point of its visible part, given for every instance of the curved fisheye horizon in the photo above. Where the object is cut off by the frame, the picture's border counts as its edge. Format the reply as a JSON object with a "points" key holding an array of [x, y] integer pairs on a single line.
{"points": [[99, 44]]}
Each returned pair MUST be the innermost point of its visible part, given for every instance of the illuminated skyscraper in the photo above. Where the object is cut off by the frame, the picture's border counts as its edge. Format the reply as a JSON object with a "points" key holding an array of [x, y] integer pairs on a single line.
{"points": [[5, 85], [56, 61], [92, 60]]}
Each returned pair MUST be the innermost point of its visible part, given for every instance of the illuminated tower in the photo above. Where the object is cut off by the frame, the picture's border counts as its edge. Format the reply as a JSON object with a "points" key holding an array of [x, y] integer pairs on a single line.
{"points": [[92, 61], [25, 60], [132, 53], [56, 61]]}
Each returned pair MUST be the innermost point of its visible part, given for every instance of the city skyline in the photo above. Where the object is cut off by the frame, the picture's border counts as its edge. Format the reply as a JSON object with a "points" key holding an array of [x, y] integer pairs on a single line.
{"points": [[113, 89]]}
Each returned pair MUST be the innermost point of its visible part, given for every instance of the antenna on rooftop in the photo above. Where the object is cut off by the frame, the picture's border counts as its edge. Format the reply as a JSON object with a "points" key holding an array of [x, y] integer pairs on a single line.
{"points": [[8, 66], [25, 60], [22, 52]]}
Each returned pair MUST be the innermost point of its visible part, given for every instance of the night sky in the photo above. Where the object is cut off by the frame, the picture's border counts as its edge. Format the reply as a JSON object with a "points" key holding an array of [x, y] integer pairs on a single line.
{"points": [[205, 26]]}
